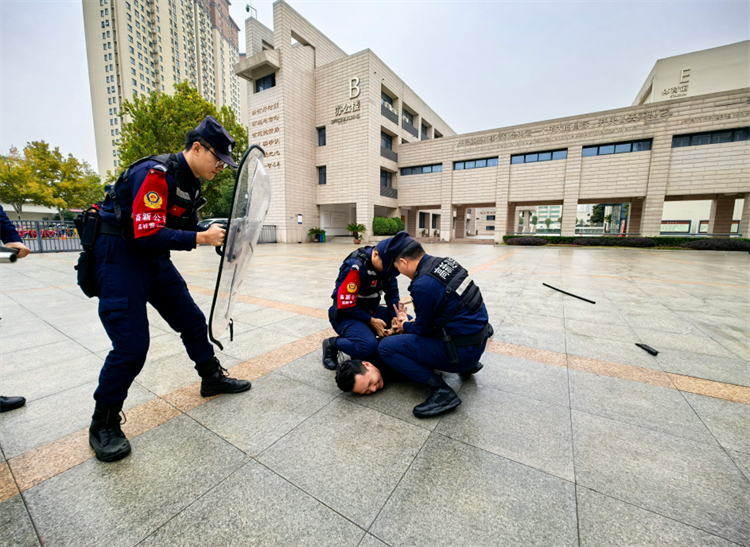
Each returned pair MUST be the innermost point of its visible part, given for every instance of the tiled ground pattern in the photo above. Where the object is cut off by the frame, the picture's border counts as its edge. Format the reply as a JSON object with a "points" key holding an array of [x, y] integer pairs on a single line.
{"points": [[570, 435]]}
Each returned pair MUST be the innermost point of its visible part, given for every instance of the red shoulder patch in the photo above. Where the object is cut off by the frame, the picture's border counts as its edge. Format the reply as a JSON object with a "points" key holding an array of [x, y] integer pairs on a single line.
{"points": [[150, 204], [348, 290]]}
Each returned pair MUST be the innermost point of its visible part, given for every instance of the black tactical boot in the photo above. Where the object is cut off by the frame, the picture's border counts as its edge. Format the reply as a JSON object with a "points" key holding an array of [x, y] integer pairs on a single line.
{"points": [[216, 380], [105, 435], [469, 373], [330, 353], [11, 403], [441, 399]]}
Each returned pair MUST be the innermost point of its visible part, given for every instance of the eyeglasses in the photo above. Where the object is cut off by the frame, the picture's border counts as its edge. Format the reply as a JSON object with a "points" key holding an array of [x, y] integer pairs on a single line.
{"points": [[220, 164]]}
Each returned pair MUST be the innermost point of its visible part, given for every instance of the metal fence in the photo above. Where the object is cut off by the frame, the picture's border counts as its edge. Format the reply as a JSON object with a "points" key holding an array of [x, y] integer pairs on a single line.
{"points": [[48, 236], [267, 234]]}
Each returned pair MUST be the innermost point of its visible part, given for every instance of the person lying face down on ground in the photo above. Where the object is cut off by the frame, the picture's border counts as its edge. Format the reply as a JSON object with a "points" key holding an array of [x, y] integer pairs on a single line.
{"points": [[365, 377]]}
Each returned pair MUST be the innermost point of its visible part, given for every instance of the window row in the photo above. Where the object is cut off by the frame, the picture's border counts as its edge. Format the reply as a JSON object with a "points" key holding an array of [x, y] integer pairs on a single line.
{"points": [[474, 164], [714, 137], [618, 148], [539, 156], [420, 169]]}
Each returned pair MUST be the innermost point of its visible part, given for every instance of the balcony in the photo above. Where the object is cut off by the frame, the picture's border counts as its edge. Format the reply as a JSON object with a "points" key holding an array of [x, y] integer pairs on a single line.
{"points": [[388, 154], [388, 192], [388, 113], [267, 58], [410, 128]]}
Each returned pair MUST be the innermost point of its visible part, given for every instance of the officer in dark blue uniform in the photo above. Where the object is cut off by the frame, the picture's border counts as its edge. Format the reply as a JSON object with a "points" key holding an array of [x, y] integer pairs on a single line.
{"points": [[10, 238], [356, 314], [149, 212], [451, 328]]}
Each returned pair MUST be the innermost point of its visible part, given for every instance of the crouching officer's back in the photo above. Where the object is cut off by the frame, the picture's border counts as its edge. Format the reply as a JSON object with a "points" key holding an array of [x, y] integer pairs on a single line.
{"points": [[451, 328], [152, 210]]}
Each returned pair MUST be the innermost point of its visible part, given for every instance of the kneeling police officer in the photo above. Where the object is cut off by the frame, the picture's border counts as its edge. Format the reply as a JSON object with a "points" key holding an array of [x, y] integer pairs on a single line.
{"points": [[451, 328], [356, 314], [150, 211]]}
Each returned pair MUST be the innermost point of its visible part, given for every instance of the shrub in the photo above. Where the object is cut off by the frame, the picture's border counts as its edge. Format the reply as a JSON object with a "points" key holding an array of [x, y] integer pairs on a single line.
{"points": [[641, 242], [399, 225], [593, 242], [392, 226], [380, 226], [717, 244], [526, 241]]}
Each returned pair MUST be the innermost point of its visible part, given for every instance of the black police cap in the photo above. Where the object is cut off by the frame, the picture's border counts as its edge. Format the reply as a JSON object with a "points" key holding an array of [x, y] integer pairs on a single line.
{"points": [[390, 249], [221, 141]]}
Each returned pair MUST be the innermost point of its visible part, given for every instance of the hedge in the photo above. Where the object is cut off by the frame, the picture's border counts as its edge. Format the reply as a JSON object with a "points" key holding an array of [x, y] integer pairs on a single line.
{"points": [[659, 241], [382, 226], [399, 225], [718, 244], [527, 241]]}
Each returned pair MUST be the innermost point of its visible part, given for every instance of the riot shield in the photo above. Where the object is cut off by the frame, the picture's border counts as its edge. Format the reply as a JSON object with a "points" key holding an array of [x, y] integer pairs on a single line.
{"points": [[252, 196]]}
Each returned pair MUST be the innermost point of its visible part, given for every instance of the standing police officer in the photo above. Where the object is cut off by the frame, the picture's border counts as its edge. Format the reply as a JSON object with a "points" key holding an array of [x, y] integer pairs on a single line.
{"points": [[451, 328], [356, 314], [150, 211]]}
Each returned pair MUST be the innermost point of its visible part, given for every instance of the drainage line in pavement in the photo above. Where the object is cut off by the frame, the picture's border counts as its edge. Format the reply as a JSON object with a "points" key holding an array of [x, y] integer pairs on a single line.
{"points": [[573, 295]]}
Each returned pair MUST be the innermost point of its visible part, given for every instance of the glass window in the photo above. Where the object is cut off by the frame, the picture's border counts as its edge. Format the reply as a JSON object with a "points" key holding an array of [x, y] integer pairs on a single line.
{"points": [[422, 219], [322, 174], [560, 155], [492, 162], [490, 217], [545, 156], [386, 141], [267, 82], [678, 142], [405, 171], [469, 164], [409, 117], [606, 149], [385, 98], [516, 159], [641, 146], [700, 139], [622, 148], [480, 163], [424, 130], [437, 168], [718, 138], [459, 165], [531, 158], [321, 136], [490, 228], [589, 151], [385, 179], [427, 169], [741, 134]]}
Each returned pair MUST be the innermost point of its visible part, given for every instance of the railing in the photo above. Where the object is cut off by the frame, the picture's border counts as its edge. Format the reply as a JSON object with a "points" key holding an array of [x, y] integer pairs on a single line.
{"points": [[45, 236], [425, 137], [388, 114], [388, 154], [410, 128], [267, 234], [387, 192]]}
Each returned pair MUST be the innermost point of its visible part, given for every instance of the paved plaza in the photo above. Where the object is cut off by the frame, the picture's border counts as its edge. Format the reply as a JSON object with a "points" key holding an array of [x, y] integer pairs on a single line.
{"points": [[570, 435]]}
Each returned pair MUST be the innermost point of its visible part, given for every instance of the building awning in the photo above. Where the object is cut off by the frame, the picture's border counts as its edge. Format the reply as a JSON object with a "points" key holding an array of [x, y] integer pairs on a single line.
{"points": [[244, 69]]}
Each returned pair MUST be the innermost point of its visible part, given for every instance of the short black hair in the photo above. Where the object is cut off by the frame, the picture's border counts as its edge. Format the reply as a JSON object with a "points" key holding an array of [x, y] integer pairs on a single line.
{"points": [[346, 373], [412, 251], [193, 136]]}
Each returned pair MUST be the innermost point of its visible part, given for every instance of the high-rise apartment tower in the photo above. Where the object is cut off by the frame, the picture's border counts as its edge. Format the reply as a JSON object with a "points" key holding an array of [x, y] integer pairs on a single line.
{"points": [[135, 47]]}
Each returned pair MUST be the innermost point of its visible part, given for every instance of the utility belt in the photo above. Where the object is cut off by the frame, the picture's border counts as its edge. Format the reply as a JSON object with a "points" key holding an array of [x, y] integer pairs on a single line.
{"points": [[451, 343]]}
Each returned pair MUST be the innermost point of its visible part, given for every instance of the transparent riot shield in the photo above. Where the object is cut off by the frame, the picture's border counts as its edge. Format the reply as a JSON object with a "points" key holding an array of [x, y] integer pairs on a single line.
{"points": [[252, 196]]}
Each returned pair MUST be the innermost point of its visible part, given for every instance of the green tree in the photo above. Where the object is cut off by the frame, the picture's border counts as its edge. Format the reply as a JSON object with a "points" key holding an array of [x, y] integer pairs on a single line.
{"points": [[79, 186], [597, 215], [534, 219], [548, 221], [159, 122], [27, 179]]}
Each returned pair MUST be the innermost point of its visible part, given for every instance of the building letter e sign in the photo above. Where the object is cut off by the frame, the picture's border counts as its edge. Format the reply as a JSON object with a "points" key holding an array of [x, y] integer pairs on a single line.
{"points": [[354, 88]]}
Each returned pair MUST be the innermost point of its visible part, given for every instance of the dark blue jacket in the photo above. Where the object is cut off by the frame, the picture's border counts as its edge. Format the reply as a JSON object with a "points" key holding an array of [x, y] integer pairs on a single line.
{"points": [[149, 180], [8, 232], [427, 294], [367, 294]]}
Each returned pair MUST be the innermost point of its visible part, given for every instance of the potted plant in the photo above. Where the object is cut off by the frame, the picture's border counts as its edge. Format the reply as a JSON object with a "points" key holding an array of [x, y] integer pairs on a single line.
{"points": [[316, 234], [356, 230]]}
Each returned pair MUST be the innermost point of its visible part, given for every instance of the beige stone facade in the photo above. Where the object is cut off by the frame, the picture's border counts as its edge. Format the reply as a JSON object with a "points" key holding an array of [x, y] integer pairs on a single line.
{"points": [[379, 134], [140, 46]]}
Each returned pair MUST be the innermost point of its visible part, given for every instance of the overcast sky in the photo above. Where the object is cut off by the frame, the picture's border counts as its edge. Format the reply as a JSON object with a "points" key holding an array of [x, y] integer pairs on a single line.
{"points": [[479, 65]]}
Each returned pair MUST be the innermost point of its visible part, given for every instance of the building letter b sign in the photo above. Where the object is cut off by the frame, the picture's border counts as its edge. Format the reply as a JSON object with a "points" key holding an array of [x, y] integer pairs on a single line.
{"points": [[354, 88]]}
